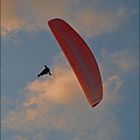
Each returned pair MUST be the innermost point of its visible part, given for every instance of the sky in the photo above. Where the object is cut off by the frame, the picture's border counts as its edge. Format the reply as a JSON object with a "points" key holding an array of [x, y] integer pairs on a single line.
{"points": [[55, 108]]}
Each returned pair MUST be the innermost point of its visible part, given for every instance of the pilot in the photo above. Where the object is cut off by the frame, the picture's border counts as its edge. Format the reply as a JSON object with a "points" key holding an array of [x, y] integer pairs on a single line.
{"points": [[45, 71]]}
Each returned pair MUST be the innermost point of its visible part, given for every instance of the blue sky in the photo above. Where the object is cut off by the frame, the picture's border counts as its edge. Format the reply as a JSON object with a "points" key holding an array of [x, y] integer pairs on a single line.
{"points": [[55, 108]]}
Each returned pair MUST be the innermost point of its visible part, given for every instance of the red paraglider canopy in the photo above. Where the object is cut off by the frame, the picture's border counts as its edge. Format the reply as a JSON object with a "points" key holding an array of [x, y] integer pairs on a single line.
{"points": [[80, 58]]}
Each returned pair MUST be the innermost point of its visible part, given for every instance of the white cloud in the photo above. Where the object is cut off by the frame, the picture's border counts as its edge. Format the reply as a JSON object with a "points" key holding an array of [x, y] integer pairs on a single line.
{"points": [[10, 20], [33, 137], [121, 61], [94, 22], [19, 138], [112, 86], [19, 15], [59, 104]]}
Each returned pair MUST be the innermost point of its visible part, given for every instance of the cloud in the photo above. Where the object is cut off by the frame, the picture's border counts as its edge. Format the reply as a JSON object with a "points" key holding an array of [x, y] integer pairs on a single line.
{"points": [[56, 91], [95, 22], [112, 86], [58, 104], [18, 15], [35, 137], [10, 20], [19, 138], [33, 15], [121, 61], [56, 85]]}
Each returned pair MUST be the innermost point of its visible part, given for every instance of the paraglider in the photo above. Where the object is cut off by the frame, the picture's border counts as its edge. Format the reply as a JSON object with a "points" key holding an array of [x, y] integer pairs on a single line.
{"points": [[46, 70], [80, 58]]}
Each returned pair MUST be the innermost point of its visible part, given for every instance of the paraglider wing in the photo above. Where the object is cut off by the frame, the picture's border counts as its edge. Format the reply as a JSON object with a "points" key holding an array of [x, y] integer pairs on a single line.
{"points": [[80, 58]]}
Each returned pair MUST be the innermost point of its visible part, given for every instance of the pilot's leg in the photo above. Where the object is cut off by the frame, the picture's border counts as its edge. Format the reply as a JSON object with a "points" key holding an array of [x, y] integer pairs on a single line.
{"points": [[50, 73]]}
